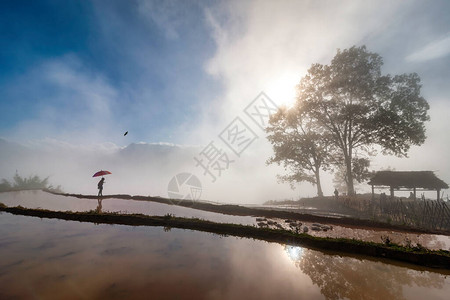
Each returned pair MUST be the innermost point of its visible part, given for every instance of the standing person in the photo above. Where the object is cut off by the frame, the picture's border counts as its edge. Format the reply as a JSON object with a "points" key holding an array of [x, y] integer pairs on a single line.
{"points": [[336, 194], [100, 187]]}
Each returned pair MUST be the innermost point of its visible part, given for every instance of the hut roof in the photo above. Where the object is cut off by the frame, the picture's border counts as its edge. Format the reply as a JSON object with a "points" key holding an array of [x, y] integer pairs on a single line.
{"points": [[410, 179]]}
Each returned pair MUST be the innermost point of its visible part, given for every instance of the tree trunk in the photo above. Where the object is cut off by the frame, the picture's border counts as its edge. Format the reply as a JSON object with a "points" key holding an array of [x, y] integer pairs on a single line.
{"points": [[319, 185], [350, 187]]}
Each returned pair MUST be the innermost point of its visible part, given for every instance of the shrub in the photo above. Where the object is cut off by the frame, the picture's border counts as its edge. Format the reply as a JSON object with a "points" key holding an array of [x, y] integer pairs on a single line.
{"points": [[30, 183]]}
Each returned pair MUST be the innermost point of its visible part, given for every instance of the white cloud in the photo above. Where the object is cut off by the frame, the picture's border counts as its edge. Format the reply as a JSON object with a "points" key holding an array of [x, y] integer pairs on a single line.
{"points": [[268, 46], [88, 90], [71, 102], [53, 144], [167, 15], [435, 49]]}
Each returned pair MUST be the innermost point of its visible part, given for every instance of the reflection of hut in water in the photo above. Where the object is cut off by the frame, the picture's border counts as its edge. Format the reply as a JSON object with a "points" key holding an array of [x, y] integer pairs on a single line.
{"points": [[408, 181]]}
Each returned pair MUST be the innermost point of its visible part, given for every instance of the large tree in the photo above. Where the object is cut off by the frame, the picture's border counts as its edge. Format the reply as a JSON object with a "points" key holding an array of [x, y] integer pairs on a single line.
{"points": [[299, 145], [361, 108], [345, 108]]}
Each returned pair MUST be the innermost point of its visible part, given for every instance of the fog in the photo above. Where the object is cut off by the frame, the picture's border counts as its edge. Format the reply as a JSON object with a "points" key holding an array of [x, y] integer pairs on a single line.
{"points": [[138, 169], [176, 76]]}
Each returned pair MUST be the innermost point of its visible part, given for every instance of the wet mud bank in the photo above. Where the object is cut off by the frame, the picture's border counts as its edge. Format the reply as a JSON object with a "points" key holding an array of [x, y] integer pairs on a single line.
{"points": [[238, 210], [417, 256]]}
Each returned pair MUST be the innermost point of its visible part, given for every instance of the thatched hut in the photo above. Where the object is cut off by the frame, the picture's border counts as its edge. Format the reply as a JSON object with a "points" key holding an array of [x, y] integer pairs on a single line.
{"points": [[408, 181]]}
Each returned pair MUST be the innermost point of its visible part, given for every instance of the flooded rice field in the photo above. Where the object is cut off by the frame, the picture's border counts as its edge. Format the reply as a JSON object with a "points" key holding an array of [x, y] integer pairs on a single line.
{"points": [[55, 259], [40, 199]]}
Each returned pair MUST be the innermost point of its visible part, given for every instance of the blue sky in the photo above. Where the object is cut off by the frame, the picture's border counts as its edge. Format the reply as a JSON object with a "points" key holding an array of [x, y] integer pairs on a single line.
{"points": [[87, 71], [77, 73], [148, 71]]}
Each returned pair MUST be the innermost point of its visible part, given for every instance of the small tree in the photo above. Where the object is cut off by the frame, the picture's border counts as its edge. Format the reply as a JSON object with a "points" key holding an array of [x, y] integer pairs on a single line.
{"points": [[5, 186], [30, 183], [299, 145]]}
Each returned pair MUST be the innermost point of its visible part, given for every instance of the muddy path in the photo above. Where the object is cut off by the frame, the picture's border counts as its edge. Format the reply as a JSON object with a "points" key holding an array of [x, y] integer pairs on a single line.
{"points": [[238, 210]]}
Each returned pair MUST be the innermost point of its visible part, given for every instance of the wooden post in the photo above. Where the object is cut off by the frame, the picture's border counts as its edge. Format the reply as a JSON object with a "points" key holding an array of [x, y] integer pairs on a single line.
{"points": [[373, 194], [438, 194], [415, 193], [392, 192]]}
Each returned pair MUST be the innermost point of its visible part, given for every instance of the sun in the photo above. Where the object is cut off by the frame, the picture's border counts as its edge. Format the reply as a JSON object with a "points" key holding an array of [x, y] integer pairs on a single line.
{"points": [[282, 88]]}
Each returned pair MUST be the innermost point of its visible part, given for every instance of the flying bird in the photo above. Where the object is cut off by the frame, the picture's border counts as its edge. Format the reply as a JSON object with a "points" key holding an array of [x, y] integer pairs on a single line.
{"points": [[125, 133]]}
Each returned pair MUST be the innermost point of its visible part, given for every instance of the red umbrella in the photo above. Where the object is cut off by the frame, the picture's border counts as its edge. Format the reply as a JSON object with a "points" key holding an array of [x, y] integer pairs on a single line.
{"points": [[101, 173]]}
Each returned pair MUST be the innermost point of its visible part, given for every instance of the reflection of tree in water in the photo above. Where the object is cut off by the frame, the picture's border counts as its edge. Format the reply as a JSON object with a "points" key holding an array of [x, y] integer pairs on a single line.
{"points": [[351, 278]]}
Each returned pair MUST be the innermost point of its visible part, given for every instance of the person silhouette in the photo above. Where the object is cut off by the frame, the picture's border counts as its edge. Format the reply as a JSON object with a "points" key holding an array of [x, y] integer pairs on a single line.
{"points": [[100, 187], [336, 194]]}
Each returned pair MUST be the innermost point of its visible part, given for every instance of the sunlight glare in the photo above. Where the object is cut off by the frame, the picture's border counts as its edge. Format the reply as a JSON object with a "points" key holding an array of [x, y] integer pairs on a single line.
{"points": [[294, 253], [282, 89]]}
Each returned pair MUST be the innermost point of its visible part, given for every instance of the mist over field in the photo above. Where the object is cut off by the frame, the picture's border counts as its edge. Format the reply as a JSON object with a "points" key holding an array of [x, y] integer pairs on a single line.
{"points": [[138, 169], [176, 75], [224, 149]]}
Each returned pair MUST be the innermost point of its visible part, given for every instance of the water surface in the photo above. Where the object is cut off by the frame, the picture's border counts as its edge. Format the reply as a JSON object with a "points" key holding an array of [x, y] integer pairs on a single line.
{"points": [[56, 259], [40, 199]]}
